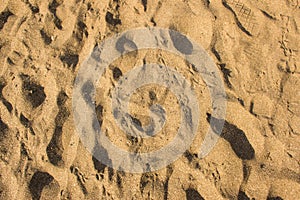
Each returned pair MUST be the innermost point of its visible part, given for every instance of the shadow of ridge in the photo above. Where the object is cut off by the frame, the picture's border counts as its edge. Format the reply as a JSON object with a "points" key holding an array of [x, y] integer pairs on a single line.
{"points": [[192, 194], [38, 181], [235, 136]]}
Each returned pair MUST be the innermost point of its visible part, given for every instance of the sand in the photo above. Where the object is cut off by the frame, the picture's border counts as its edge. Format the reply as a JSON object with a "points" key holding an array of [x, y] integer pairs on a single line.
{"points": [[254, 46]]}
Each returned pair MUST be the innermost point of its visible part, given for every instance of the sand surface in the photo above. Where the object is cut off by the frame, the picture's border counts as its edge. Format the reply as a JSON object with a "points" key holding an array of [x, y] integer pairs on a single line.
{"points": [[253, 43]]}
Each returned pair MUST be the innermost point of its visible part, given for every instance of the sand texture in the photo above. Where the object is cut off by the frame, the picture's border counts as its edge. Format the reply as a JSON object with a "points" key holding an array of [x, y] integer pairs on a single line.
{"points": [[255, 46]]}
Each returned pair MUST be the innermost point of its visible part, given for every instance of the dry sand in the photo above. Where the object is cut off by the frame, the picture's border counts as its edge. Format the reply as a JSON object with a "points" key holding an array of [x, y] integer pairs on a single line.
{"points": [[255, 45]]}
